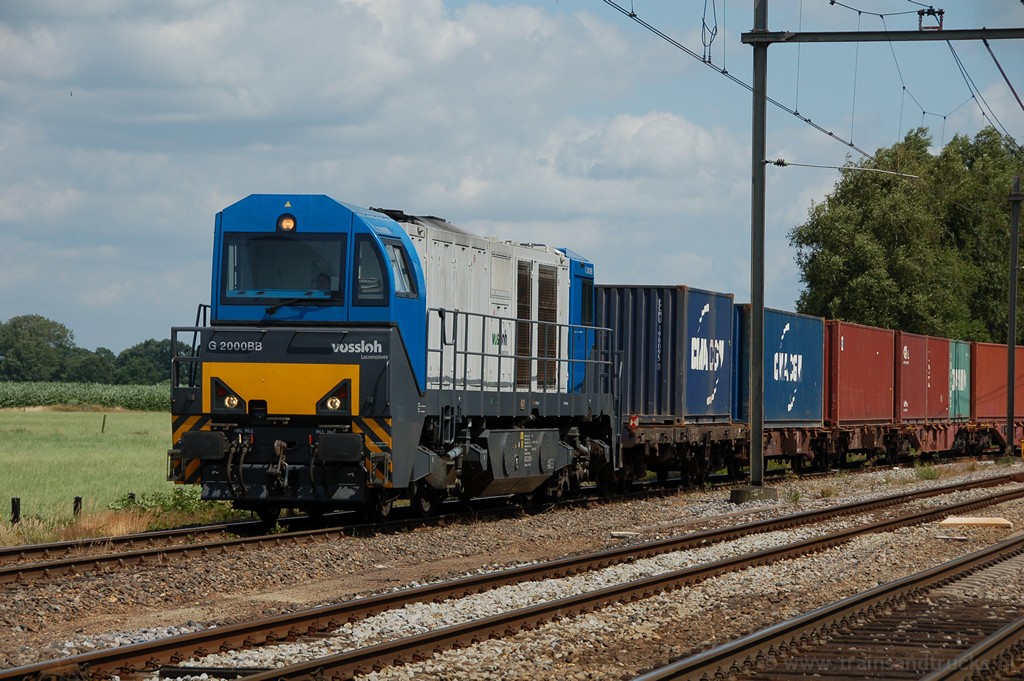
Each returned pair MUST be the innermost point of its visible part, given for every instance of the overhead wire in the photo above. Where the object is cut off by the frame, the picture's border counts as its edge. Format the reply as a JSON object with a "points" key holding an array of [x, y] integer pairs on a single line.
{"points": [[905, 91], [781, 162], [708, 33], [874, 14], [990, 114], [972, 88], [707, 61], [630, 13], [1003, 73]]}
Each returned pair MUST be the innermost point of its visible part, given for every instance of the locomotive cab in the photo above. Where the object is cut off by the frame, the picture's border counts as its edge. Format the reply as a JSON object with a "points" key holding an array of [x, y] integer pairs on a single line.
{"points": [[290, 392], [311, 260]]}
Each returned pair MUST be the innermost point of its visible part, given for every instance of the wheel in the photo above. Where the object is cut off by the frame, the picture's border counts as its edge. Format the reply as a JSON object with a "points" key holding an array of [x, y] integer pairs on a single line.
{"points": [[424, 500], [561, 487], [268, 514], [378, 506]]}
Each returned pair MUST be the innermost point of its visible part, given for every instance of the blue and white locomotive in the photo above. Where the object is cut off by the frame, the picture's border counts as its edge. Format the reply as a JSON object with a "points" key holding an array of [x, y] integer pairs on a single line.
{"points": [[351, 357]]}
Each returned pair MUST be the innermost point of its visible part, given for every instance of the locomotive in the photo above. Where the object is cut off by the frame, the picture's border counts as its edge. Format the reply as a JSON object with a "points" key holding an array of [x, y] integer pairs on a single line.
{"points": [[353, 357]]}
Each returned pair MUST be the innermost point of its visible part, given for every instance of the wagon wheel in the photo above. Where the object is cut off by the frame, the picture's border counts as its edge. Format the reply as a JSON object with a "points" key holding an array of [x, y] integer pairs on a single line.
{"points": [[566, 486], [424, 500], [378, 505], [268, 514]]}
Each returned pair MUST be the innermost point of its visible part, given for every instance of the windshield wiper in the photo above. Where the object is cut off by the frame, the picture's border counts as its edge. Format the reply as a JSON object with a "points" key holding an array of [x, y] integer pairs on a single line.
{"points": [[294, 301]]}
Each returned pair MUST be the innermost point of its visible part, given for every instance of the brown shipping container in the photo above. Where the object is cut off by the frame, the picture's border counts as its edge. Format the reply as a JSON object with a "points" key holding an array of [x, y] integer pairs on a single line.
{"points": [[911, 378], [859, 373], [938, 379], [988, 382]]}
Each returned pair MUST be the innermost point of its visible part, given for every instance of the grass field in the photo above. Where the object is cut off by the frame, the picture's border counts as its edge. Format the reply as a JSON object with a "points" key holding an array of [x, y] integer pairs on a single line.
{"points": [[49, 457]]}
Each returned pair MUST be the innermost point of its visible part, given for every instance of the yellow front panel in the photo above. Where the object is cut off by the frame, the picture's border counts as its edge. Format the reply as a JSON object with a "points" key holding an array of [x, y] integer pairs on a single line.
{"points": [[287, 388]]}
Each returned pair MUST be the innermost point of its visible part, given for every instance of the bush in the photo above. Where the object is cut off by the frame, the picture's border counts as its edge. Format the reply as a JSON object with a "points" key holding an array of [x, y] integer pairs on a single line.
{"points": [[179, 499], [182, 505]]}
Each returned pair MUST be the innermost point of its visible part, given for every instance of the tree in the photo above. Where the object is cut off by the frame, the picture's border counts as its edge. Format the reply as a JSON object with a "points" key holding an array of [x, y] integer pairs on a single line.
{"points": [[976, 176], [925, 255], [82, 366], [34, 348], [146, 363]]}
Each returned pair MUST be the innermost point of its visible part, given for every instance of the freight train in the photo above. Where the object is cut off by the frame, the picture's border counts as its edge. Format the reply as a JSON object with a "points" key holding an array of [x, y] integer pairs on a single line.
{"points": [[353, 357]]}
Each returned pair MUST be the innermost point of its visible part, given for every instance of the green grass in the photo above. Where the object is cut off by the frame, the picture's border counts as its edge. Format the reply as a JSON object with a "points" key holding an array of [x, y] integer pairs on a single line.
{"points": [[923, 471], [50, 457]]}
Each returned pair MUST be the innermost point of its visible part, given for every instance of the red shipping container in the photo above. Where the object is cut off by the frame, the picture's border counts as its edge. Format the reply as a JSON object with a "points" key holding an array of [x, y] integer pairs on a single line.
{"points": [[859, 373], [938, 379], [988, 382], [911, 378]]}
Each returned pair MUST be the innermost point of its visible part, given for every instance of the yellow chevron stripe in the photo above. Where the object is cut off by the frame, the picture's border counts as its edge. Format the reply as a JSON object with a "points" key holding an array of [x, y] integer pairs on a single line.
{"points": [[192, 471], [358, 427], [376, 433], [383, 435], [189, 424]]}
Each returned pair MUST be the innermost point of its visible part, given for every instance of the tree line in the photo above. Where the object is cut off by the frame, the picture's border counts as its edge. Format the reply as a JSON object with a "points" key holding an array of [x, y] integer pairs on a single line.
{"points": [[34, 348], [925, 252]]}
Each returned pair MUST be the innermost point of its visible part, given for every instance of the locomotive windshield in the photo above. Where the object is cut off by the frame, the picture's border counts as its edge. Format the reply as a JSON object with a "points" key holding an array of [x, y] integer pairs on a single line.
{"points": [[261, 267]]}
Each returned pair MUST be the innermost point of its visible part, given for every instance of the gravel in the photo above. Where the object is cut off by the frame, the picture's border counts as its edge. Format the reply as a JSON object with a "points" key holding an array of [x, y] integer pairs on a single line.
{"points": [[41, 621]]}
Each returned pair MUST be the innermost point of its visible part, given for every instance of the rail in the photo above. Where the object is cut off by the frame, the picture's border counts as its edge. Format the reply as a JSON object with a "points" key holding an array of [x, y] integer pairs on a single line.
{"points": [[137, 657]]}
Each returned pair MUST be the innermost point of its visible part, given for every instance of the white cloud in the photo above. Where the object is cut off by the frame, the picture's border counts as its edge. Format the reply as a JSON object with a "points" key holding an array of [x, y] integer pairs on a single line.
{"points": [[125, 126]]}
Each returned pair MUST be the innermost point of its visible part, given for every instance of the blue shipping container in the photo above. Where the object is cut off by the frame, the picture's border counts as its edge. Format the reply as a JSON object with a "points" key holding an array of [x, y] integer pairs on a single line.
{"points": [[793, 367], [675, 348]]}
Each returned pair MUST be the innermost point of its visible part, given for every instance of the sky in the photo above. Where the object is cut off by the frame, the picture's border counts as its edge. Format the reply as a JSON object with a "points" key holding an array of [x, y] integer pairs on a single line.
{"points": [[126, 125]]}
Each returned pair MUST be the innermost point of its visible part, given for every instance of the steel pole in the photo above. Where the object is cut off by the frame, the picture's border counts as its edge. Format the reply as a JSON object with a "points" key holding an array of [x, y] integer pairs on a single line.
{"points": [[1011, 336], [757, 156]]}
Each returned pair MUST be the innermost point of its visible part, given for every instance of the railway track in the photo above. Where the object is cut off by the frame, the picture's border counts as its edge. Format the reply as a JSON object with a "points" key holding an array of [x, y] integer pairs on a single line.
{"points": [[949, 622], [34, 561], [27, 553], [97, 552], [22, 564], [141, 657]]}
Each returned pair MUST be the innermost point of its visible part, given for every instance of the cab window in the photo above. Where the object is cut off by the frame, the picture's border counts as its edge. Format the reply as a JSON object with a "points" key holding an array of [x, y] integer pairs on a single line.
{"points": [[405, 285], [587, 289], [258, 267], [369, 278]]}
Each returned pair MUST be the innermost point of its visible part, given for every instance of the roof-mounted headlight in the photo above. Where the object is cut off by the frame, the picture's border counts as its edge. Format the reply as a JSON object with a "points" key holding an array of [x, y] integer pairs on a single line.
{"points": [[286, 223]]}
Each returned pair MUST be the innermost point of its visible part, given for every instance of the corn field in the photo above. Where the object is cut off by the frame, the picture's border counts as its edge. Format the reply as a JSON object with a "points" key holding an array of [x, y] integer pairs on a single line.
{"points": [[132, 397]]}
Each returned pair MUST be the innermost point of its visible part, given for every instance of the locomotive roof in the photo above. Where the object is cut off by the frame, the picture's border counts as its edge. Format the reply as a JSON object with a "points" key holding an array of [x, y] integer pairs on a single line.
{"points": [[428, 220]]}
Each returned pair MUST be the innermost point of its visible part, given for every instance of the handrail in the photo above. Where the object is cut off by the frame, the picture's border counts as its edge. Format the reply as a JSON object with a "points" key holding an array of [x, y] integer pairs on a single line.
{"points": [[470, 351]]}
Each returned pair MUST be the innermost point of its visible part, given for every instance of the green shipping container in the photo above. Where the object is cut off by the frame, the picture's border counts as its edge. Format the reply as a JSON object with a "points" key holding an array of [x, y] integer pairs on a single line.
{"points": [[959, 381]]}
